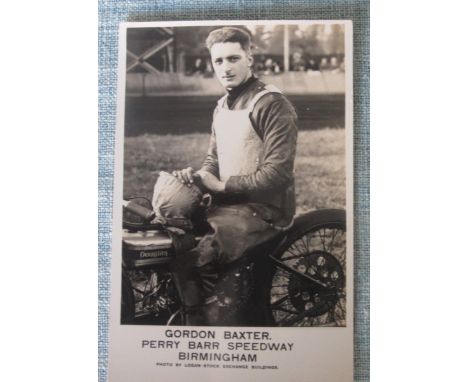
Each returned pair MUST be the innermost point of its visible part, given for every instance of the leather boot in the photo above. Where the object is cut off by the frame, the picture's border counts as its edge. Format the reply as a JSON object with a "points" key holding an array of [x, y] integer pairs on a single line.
{"points": [[193, 316], [189, 286]]}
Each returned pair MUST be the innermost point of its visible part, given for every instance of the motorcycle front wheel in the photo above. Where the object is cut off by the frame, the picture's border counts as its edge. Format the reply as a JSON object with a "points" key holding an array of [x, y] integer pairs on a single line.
{"points": [[307, 278]]}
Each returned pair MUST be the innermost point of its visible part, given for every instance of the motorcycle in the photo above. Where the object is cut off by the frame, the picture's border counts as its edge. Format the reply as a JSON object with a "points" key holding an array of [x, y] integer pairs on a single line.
{"points": [[298, 278]]}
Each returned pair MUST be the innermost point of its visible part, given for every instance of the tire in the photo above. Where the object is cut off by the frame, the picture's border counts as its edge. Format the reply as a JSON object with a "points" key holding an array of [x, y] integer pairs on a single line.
{"points": [[306, 282], [127, 314]]}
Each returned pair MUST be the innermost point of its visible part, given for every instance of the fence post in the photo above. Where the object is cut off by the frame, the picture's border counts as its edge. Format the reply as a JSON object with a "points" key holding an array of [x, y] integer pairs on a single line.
{"points": [[286, 48]]}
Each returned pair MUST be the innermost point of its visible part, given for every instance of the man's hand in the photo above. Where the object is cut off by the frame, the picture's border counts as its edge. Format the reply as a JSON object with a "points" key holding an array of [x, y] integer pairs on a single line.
{"points": [[185, 176], [211, 182]]}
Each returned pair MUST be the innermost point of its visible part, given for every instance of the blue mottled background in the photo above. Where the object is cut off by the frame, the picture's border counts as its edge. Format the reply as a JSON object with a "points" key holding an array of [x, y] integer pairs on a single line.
{"points": [[112, 12]]}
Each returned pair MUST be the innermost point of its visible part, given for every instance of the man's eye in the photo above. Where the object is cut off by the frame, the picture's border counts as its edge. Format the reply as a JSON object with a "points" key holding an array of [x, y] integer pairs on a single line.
{"points": [[218, 62], [233, 59]]}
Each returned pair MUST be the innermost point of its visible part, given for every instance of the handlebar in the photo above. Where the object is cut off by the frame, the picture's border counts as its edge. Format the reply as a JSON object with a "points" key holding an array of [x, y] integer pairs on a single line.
{"points": [[145, 213]]}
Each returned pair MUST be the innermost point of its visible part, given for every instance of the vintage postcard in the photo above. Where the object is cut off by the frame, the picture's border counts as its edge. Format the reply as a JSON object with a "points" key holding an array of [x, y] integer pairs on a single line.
{"points": [[233, 210]]}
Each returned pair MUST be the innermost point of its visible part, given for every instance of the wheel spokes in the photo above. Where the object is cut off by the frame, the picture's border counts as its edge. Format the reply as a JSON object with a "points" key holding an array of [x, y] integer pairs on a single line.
{"points": [[298, 273], [308, 287]]}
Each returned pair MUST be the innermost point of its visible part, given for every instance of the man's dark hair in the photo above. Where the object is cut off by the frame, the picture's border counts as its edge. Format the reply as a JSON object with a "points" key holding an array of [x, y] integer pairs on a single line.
{"points": [[229, 34]]}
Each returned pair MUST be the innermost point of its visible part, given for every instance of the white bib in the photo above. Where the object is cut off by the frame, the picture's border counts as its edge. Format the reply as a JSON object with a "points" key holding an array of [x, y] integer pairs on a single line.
{"points": [[240, 149]]}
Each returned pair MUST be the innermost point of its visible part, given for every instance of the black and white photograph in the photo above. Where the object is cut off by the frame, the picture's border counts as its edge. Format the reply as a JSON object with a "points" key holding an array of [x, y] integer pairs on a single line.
{"points": [[233, 210], [234, 177]]}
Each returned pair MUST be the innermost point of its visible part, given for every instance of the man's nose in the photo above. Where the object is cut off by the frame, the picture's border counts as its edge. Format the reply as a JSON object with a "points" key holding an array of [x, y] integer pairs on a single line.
{"points": [[227, 68]]}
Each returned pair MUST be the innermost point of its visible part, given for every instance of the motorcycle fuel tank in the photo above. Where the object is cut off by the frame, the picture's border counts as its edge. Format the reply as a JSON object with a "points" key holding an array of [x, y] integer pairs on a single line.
{"points": [[146, 248]]}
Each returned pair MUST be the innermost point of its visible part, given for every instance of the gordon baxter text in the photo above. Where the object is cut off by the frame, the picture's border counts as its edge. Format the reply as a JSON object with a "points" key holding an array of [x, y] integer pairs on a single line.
{"points": [[211, 334]]}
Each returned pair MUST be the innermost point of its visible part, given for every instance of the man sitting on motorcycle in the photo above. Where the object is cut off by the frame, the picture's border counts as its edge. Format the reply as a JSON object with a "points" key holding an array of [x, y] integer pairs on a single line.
{"points": [[249, 169]]}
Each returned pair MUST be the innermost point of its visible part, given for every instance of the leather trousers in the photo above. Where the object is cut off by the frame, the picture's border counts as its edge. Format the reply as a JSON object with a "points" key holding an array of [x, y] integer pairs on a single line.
{"points": [[235, 230]]}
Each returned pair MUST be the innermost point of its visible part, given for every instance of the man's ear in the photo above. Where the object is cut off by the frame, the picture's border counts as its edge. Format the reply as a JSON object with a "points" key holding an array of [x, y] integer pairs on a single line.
{"points": [[250, 60]]}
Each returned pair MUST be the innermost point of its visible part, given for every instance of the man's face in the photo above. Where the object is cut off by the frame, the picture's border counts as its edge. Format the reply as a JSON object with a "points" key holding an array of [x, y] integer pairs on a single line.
{"points": [[231, 63]]}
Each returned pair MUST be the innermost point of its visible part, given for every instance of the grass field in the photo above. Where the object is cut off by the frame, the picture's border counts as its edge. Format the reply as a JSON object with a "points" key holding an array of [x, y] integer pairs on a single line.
{"points": [[320, 164]]}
